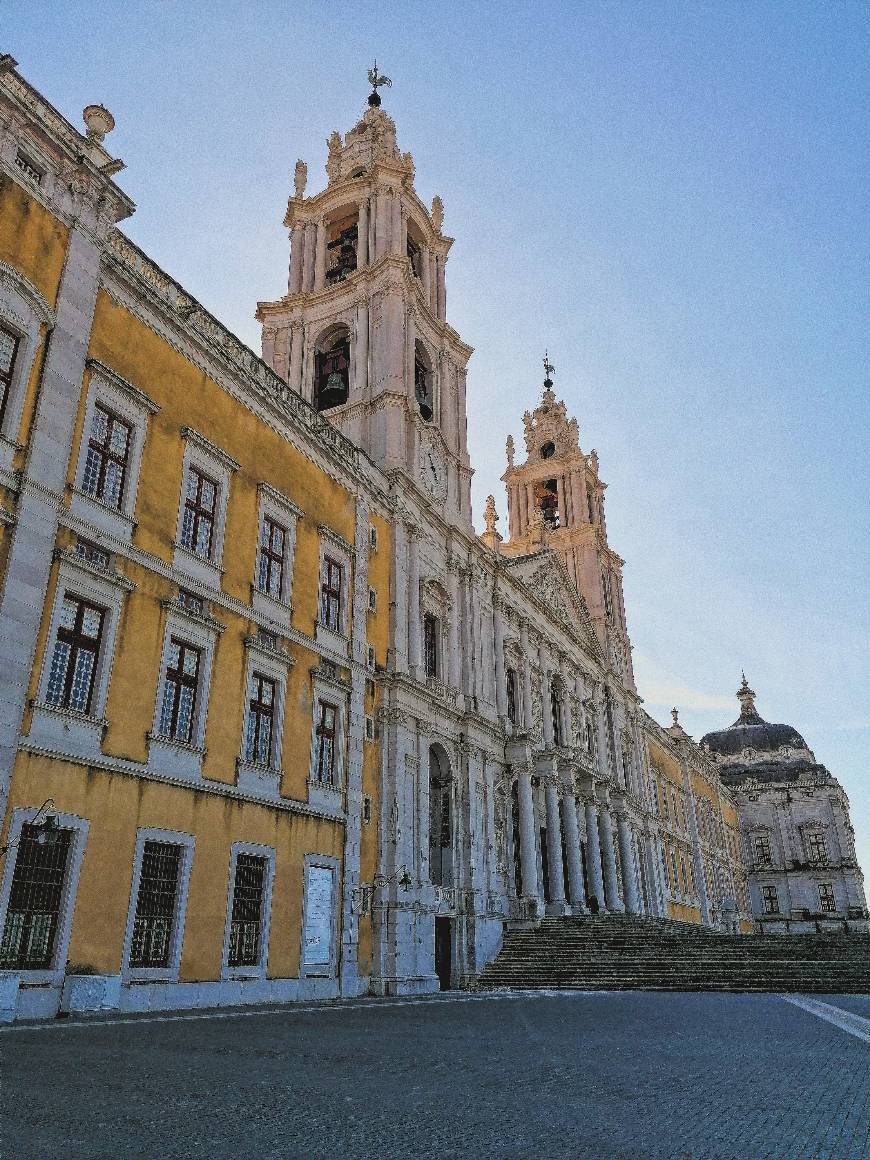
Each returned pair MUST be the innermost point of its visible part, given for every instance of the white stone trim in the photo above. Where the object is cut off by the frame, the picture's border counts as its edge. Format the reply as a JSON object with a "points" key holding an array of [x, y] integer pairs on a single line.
{"points": [[187, 842], [136, 408], [274, 504], [204, 456], [315, 862], [255, 971], [63, 730], [23, 311], [333, 693], [79, 826], [179, 759]]}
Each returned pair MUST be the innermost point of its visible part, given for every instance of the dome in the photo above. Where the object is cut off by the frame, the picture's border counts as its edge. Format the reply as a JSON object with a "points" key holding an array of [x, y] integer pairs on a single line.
{"points": [[754, 746]]}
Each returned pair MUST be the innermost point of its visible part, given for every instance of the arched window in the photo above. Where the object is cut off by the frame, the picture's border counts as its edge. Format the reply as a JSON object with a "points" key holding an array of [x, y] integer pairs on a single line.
{"points": [[440, 820], [547, 498], [548, 451], [341, 243], [423, 382], [332, 373]]}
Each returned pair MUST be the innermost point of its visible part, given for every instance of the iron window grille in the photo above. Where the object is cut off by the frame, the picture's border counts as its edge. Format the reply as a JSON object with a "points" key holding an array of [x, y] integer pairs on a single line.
{"points": [[35, 899], [27, 166], [330, 595], [8, 353], [105, 470], [261, 720], [246, 918], [74, 661], [827, 902], [770, 900], [326, 733], [89, 552], [155, 905], [817, 848], [270, 574], [200, 506], [179, 691], [191, 602], [761, 842], [430, 645]]}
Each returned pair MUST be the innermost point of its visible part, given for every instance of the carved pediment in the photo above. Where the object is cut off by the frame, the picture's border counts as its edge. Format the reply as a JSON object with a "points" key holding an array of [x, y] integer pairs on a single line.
{"points": [[547, 579]]}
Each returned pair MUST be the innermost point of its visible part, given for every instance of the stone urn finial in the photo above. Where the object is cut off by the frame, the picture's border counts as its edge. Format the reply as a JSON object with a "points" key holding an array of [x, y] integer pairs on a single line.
{"points": [[99, 121]]}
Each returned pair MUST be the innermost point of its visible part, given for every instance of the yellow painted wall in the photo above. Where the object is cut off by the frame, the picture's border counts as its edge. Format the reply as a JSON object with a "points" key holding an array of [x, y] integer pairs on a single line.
{"points": [[116, 806], [31, 239]]}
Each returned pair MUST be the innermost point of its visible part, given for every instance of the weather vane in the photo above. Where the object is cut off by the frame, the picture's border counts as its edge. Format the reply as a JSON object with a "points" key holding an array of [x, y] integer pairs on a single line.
{"points": [[377, 81], [549, 370]]}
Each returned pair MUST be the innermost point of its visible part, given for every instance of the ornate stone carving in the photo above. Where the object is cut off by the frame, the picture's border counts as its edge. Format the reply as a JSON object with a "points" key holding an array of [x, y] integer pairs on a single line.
{"points": [[437, 214], [300, 179]]}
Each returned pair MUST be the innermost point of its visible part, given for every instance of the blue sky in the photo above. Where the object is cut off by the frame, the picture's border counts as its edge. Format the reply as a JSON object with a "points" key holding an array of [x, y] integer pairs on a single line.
{"points": [[670, 197]]}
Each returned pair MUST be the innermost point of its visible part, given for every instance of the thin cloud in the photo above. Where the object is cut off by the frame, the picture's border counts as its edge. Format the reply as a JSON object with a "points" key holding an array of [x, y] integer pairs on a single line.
{"points": [[659, 687]]}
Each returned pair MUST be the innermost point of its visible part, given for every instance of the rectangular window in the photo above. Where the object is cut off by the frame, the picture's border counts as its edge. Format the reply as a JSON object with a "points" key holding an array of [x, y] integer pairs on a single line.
{"points": [[325, 733], [769, 900], [666, 810], [330, 595], [511, 684], [674, 870], [556, 717], [105, 470], [200, 507], [817, 848], [430, 645], [827, 902], [98, 557], [8, 353], [246, 918], [35, 899], [155, 905], [761, 848], [261, 720], [179, 691], [270, 572], [74, 661]]}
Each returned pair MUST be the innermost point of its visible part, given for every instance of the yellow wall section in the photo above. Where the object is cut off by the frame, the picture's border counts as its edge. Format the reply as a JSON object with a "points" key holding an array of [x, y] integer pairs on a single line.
{"points": [[116, 806], [31, 239]]}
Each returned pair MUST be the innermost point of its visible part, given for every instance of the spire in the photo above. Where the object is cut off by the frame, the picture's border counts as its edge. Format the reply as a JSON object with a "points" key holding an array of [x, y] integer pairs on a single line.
{"points": [[549, 371], [748, 713], [377, 81]]}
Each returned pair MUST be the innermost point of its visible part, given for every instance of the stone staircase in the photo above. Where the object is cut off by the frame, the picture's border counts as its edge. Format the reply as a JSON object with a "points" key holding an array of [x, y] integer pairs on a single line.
{"points": [[622, 953]]}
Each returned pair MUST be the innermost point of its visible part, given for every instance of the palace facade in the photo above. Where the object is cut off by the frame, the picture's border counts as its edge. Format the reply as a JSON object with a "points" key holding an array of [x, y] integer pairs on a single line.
{"points": [[277, 722]]}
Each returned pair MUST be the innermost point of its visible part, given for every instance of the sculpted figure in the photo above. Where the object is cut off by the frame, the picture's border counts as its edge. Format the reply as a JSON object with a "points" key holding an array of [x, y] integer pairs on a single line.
{"points": [[300, 179]]}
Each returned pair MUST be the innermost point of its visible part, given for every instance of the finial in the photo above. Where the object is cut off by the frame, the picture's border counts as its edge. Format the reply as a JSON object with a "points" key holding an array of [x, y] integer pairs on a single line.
{"points": [[675, 714], [98, 121], [491, 516], [377, 81], [437, 214], [509, 450], [549, 370]]}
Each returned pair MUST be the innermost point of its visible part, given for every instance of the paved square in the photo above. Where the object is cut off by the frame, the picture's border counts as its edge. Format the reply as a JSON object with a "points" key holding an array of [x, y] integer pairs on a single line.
{"points": [[591, 1075]]}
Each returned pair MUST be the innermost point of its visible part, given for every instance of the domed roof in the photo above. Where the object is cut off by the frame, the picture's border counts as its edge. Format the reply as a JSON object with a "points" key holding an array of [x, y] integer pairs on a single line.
{"points": [[751, 731]]}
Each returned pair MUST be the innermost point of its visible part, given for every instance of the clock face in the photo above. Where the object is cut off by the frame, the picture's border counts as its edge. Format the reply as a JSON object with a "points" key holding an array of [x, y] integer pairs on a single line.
{"points": [[433, 469]]}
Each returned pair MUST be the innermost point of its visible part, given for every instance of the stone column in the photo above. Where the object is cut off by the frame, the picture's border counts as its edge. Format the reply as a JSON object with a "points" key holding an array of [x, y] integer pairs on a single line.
{"points": [[362, 234], [297, 245], [308, 256], [578, 498], [601, 739], [500, 677], [415, 652], [361, 366], [595, 881], [567, 712], [608, 856], [476, 620], [697, 856], [382, 231], [320, 255], [425, 274], [546, 700], [528, 848], [453, 646], [423, 804], [554, 847], [296, 343], [467, 639], [654, 875], [560, 497], [530, 504], [527, 676], [442, 289], [395, 225], [576, 885], [629, 869]]}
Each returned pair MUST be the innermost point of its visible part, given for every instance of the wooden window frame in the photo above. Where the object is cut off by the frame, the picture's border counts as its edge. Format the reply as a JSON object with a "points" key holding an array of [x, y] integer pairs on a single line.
{"points": [[6, 377], [270, 559], [106, 456], [199, 513], [331, 594], [78, 642], [260, 711], [181, 680], [324, 735]]}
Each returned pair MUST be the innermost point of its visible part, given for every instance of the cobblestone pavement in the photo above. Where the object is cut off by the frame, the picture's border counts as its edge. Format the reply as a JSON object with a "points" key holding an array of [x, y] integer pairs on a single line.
{"points": [[573, 1075]]}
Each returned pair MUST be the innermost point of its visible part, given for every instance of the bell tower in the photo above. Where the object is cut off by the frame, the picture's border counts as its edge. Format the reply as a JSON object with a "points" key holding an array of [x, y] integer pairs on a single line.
{"points": [[556, 501], [362, 331]]}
